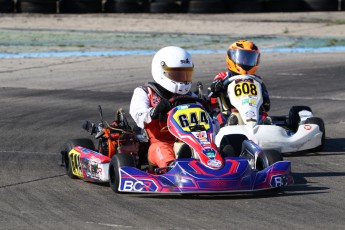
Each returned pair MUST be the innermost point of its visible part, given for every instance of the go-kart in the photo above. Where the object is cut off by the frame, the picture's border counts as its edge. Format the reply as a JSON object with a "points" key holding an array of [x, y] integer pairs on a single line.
{"points": [[83, 160], [297, 131], [199, 167]]}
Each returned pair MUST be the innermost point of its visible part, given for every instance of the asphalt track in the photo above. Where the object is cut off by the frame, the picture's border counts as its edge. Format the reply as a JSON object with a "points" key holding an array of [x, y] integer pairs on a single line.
{"points": [[44, 100]]}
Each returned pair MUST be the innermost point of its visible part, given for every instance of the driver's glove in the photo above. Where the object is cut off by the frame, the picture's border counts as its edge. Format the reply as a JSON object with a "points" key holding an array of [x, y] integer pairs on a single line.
{"points": [[162, 108], [217, 86]]}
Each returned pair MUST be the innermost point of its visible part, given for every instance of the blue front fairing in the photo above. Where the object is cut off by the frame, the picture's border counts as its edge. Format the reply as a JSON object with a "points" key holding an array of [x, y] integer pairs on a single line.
{"points": [[190, 176]]}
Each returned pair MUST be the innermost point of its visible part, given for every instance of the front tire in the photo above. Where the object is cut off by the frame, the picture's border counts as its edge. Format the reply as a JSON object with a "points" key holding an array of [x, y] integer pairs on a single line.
{"points": [[318, 121], [117, 161], [294, 119], [68, 146], [267, 158]]}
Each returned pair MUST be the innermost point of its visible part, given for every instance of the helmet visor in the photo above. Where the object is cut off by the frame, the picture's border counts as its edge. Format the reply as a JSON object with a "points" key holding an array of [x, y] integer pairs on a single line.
{"points": [[243, 57], [181, 74]]}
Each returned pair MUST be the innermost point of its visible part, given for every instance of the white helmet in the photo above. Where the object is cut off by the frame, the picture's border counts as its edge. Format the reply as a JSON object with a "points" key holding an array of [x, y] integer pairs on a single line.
{"points": [[172, 68]]}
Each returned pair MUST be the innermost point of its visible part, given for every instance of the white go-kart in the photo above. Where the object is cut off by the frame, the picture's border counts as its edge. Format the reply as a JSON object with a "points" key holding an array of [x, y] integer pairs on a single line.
{"points": [[299, 130]]}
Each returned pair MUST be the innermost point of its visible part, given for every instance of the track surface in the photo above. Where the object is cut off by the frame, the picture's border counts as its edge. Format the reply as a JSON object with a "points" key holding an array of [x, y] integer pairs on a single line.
{"points": [[44, 100]]}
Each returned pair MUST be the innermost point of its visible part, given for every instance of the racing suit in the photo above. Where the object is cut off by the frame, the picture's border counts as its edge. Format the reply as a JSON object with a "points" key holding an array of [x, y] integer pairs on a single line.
{"points": [[217, 89], [144, 100]]}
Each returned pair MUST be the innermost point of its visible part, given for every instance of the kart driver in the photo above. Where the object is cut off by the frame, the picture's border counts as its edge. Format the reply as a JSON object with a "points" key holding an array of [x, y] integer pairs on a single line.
{"points": [[242, 57], [172, 69]]}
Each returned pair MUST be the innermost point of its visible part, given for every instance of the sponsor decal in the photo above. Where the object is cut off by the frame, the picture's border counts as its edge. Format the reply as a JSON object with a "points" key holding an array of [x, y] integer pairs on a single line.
{"points": [[185, 61], [251, 102], [131, 185], [278, 181], [307, 127], [214, 163], [250, 114], [182, 107], [74, 157], [155, 100], [206, 144], [210, 153], [201, 136], [88, 151], [91, 167]]}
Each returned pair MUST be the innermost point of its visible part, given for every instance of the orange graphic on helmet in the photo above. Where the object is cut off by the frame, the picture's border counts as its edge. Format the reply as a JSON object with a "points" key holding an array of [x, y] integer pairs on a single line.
{"points": [[243, 57]]}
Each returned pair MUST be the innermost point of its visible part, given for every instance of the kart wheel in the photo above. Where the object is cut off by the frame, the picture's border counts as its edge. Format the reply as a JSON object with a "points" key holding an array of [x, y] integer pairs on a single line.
{"points": [[267, 158], [294, 119], [84, 142], [318, 121], [118, 161]]}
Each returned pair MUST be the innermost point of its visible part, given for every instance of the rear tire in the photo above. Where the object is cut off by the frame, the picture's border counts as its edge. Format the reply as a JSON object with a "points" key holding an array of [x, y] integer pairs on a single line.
{"points": [[70, 144], [318, 121], [118, 161], [267, 158]]}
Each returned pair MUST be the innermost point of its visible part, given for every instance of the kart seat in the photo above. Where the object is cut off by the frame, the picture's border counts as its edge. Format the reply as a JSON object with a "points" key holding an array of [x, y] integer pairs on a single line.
{"points": [[184, 151]]}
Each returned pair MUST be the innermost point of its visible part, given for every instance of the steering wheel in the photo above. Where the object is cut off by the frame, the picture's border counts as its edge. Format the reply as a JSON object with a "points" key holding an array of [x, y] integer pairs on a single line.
{"points": [[183, 99]]}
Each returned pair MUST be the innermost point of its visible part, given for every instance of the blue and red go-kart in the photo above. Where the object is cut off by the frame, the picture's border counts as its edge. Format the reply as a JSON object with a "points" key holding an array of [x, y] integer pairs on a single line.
{"points": [[199, 167]]}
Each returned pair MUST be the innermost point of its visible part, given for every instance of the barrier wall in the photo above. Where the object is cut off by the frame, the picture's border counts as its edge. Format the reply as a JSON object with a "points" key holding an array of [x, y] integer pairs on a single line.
{"points": [[167, 6]]}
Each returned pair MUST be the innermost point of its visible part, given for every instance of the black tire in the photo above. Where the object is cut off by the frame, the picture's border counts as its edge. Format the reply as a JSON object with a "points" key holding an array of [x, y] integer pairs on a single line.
{"points": [[235, 141], [244, 6], [118, 161], [109, 6], [282, 5], [320, 5], [164, 7], [184, 6], [206, 6], [7, 6], [69, 145], [80, 6], [38, 6], [127, 7], [267, 158], [318, 121], [294, 119]]}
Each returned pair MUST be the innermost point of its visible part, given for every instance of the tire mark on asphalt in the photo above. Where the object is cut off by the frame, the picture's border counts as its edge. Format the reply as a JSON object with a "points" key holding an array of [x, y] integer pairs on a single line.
{"points": [[31, 181]]}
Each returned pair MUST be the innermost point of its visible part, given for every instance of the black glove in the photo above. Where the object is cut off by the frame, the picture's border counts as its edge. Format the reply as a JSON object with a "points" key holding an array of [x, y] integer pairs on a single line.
{"points": [[217, 86], [162, 108]]}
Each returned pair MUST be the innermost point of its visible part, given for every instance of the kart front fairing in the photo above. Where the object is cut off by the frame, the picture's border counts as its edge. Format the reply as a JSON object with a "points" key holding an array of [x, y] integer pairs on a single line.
{"points": [[191, 176], [308, 136]]}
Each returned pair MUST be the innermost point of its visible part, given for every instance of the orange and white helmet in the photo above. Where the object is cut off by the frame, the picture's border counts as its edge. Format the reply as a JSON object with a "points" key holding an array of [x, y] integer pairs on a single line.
{"points": [[172, 68], [243, 57]]}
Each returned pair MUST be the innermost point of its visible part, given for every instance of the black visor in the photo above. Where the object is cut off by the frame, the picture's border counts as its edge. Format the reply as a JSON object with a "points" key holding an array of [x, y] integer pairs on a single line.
{"points": [[244, 57]]}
